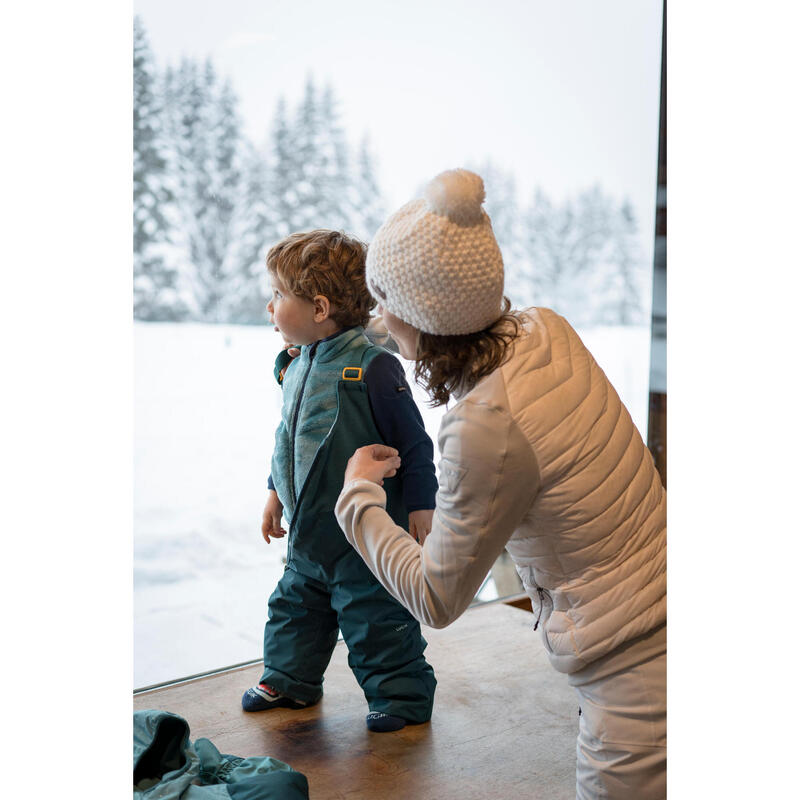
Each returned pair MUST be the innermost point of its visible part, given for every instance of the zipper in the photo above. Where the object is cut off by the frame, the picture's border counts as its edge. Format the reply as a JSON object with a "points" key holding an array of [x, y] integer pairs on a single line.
{"points": [[541, 606], [294, 429], [320, 449], [542, 594]]}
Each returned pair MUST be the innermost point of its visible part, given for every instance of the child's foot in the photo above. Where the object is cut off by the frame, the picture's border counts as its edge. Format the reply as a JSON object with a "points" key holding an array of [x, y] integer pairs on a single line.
{"points": [[378, 722], [262, 697]]}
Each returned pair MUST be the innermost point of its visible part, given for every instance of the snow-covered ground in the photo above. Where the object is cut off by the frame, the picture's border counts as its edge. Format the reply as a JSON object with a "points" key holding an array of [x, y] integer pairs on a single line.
{"points": [[206, 407]]}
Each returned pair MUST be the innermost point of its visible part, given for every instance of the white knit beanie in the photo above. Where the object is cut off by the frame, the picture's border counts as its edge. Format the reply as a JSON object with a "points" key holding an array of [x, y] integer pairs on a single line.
{"points": [[435, 263]]}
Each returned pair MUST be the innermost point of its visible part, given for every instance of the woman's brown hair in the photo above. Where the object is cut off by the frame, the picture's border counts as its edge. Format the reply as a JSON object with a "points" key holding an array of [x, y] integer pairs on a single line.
{"points": [[447, 364]]}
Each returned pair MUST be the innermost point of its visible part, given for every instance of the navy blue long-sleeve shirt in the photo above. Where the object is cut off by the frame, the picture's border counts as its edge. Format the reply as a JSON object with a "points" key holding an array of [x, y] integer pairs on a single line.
{"points": [[399, 422]]}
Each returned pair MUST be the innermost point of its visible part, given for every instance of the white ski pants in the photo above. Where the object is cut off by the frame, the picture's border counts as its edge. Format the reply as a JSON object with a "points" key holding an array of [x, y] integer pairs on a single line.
{"points": [[622, 737]]}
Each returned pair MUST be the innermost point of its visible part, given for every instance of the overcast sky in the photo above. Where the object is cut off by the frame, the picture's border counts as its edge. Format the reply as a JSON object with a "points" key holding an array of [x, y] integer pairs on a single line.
{"points": [[564, 94]]}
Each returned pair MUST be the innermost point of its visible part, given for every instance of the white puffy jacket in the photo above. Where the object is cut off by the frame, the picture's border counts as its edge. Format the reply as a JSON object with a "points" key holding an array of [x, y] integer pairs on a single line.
{"points": [[541, 458]]}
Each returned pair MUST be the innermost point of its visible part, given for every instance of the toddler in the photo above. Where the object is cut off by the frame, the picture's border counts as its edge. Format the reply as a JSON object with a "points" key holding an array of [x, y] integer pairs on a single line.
{"points": [[340, 393]]}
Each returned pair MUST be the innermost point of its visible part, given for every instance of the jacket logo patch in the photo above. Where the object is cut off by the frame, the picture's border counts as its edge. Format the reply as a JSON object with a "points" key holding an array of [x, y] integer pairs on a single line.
{"points": [[451, 474]]}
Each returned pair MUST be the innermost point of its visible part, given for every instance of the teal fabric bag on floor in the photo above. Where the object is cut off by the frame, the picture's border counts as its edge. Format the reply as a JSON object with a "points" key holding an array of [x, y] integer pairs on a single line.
{"points": [[167, 766]]}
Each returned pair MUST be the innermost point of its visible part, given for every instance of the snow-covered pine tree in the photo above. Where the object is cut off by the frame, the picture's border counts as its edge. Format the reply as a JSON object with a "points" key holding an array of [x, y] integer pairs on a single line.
{"points": [[542, 267], [210, 188], [630, 276], [610, 291], [154, 280], [306, 139], [502, 208], [283, 201], [185, 102], [309, 181], [582, 258], [336, 188], [589, 238], [368, 209], [252, 238], [221, 266], [322, 185]]}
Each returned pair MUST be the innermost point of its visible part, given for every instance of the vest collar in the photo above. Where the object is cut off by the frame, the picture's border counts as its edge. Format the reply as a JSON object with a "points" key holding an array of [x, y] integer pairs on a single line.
{"points": [[331, 346]]}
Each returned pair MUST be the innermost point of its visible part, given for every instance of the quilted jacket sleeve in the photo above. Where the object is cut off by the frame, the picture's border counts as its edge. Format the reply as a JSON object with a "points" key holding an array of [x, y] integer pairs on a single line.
{"points": [[488, 479]]}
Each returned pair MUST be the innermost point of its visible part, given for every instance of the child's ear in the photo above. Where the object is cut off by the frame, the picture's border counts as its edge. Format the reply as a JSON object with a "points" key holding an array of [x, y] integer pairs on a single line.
{"points": [[322, 308]]}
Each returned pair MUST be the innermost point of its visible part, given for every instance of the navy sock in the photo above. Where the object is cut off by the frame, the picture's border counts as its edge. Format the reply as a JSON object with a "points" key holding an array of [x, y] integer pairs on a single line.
{"points": [[378, 722]]}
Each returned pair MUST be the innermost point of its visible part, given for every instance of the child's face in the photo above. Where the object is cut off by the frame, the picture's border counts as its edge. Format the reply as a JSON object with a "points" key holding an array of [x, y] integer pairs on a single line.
{"points": [[293, 316]]}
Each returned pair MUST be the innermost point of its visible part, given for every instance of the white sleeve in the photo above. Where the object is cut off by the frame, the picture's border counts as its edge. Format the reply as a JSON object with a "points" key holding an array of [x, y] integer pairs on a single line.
{"points": [[488, 479]]}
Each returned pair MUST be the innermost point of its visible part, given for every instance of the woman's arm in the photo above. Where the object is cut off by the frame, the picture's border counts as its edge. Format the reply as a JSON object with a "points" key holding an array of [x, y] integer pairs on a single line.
{"points": [[488, 480]]}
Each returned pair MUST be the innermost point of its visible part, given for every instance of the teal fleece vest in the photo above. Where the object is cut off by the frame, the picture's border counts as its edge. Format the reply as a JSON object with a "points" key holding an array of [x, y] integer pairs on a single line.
{"points": [[325, 417]]}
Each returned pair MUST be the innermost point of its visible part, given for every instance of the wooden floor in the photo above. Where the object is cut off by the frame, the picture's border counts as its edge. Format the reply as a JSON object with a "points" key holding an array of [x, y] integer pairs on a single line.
{"points": [[504, 722]]}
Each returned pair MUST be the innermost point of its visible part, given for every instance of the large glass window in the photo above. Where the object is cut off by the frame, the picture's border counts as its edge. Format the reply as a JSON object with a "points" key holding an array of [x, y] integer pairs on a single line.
{"points": [[253, 120]]}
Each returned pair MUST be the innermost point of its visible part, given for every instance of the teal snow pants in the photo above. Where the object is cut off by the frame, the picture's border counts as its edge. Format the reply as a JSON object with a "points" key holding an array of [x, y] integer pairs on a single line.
{"points": [[326, 587], [384, 641]]}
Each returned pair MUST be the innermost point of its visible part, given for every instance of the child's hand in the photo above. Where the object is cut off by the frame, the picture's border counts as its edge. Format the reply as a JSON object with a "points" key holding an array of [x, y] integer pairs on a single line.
{"points": [[293, 351], [419, 523], [271, 521]]}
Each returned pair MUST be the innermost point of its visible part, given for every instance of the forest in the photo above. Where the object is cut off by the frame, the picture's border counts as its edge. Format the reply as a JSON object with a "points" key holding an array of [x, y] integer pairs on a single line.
{"points": [[208, 203]]}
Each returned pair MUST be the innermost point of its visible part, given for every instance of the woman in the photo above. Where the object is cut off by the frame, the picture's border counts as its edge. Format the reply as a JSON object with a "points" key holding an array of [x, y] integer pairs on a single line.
{"points": [[538, 456]]}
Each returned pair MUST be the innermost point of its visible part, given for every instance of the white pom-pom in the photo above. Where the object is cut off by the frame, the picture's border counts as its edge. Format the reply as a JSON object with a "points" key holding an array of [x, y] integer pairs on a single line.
{"points": [[457, 194]]}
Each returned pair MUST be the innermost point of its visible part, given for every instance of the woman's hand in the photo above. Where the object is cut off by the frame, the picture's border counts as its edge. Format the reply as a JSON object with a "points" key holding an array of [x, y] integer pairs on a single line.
{"points": [[373, 462], [419, 523]]}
